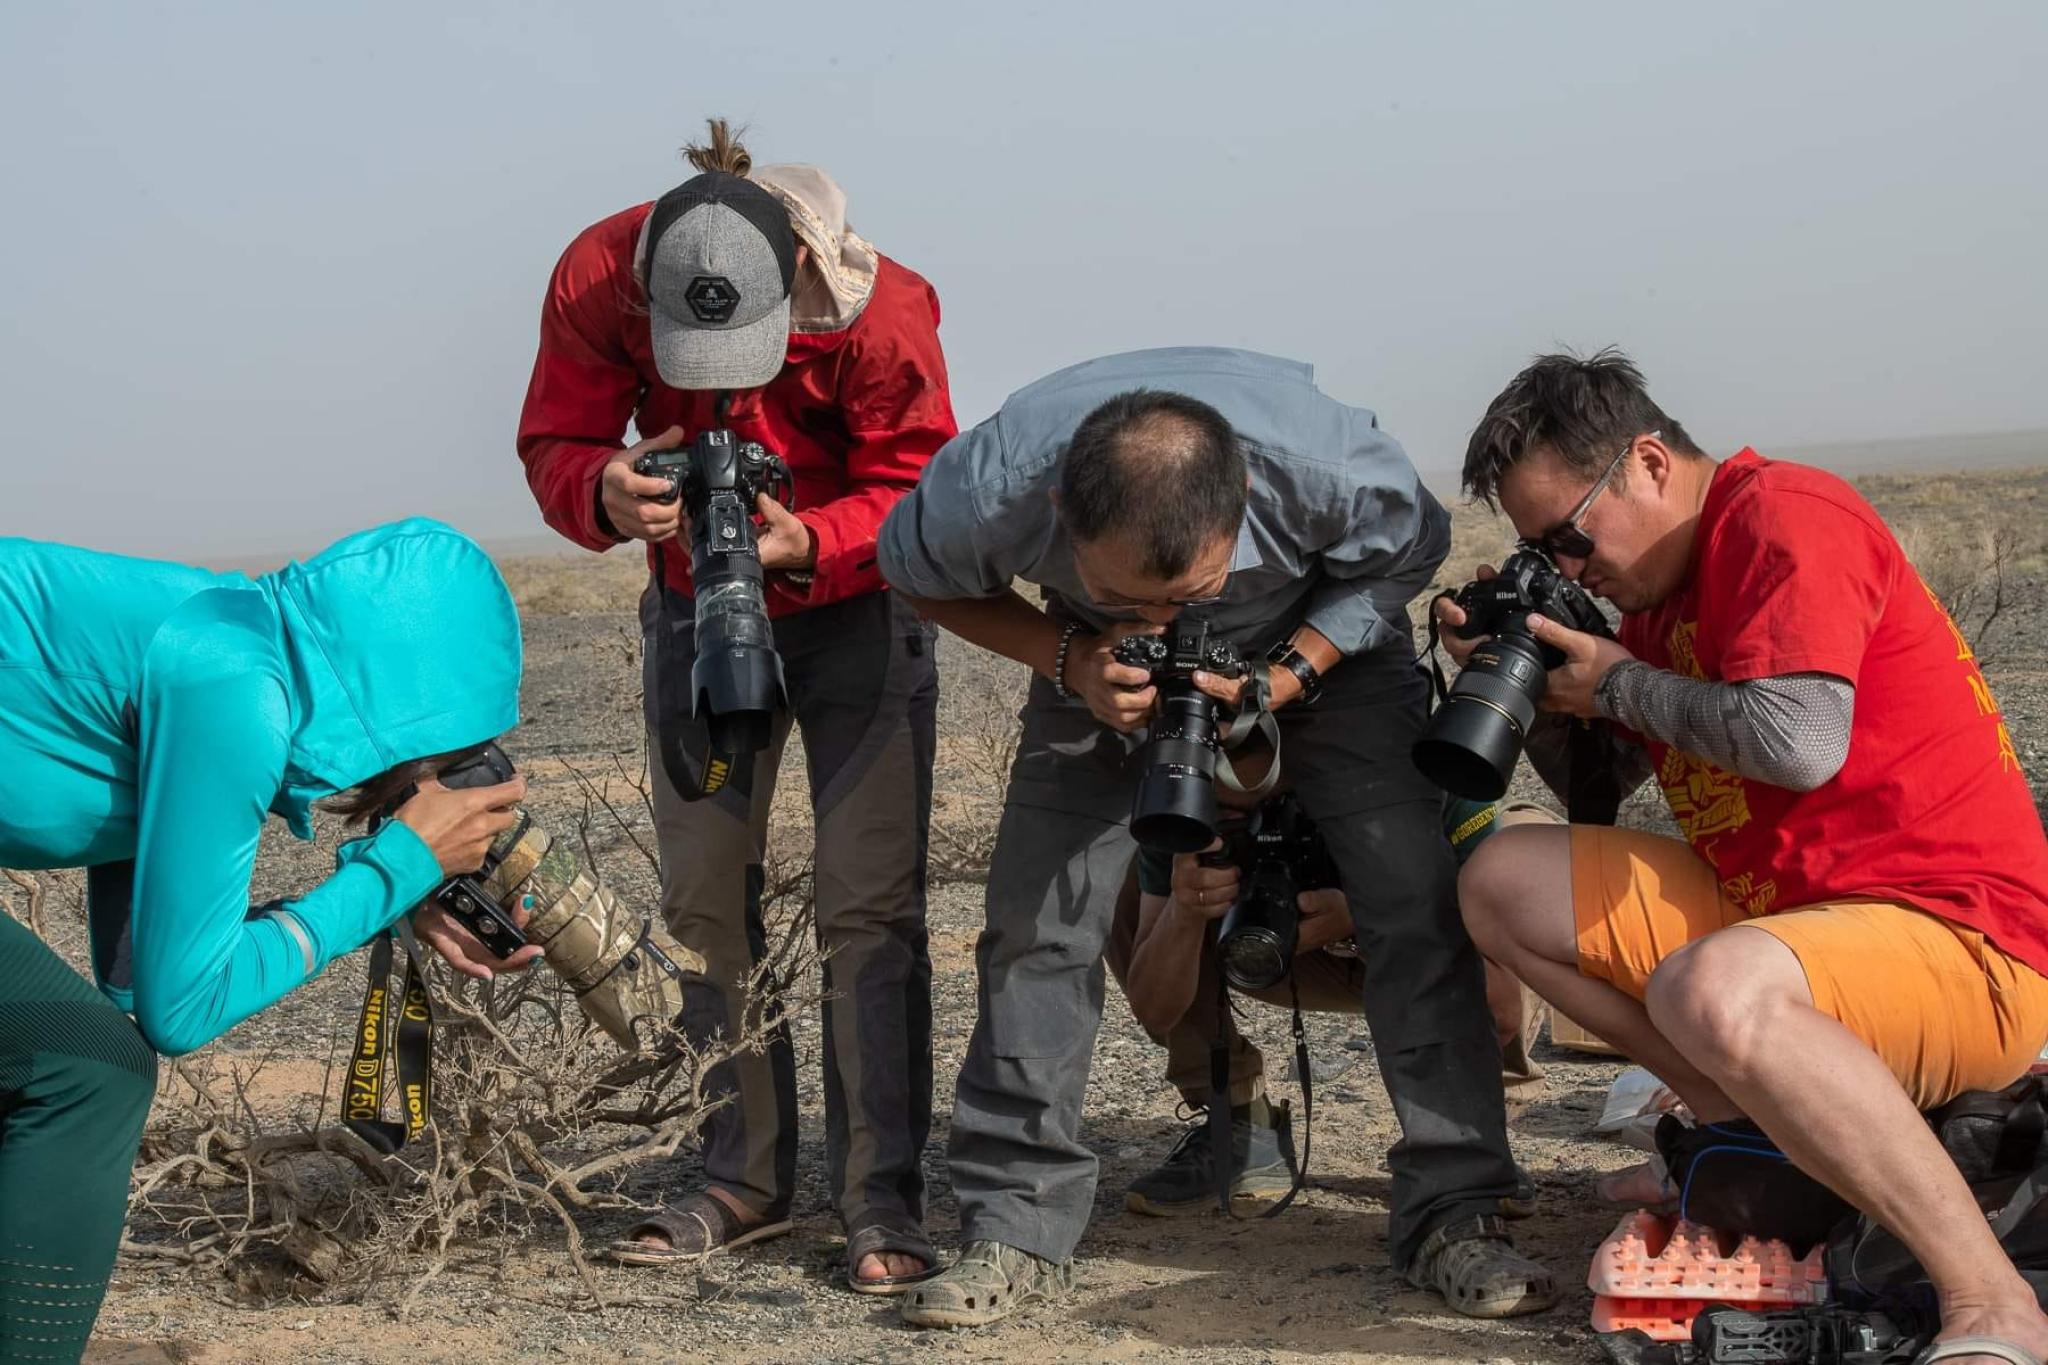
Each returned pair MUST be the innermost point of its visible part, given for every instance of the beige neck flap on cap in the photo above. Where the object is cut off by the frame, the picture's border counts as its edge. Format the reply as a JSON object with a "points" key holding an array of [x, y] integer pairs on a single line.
{"points": [[836, 282]]}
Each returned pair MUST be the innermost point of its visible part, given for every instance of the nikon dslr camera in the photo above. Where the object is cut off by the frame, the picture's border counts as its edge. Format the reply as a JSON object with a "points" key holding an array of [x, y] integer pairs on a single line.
{"points": [[1175, 806], [1280, 855], [736, 681], [1475, 737]]}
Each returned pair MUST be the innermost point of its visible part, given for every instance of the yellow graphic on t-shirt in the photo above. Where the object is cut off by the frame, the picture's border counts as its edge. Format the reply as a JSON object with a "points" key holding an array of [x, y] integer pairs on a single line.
{"points": [[1963, 650], [1980, 691], [1684, 661], [1704, 800], [1755, 897]]}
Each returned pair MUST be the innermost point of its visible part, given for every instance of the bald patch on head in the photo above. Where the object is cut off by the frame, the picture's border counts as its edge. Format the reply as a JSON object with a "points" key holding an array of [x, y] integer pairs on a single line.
{"points": [[1158, 445], [1161, 472]]}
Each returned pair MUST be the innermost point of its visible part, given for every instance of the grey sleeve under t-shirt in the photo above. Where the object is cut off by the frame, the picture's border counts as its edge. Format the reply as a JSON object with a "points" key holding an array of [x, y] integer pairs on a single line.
{"points": [[1790, 731]]}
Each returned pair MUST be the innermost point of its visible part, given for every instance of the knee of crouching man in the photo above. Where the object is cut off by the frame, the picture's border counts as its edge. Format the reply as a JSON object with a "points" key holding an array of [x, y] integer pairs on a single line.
{"points": [[1487, 893], [1713, 1003]]}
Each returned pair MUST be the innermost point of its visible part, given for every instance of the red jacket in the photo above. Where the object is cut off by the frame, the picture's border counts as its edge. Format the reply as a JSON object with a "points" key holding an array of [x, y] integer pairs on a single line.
{"points": [[856, 413]]}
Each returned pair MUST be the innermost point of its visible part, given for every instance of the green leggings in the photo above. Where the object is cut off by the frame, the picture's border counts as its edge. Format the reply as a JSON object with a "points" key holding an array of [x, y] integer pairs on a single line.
{"points": [[76, 1079]]}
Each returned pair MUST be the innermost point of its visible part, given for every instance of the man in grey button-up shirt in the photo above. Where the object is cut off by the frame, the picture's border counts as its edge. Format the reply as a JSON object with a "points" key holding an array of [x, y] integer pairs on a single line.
{"points": [[1296, 526]]}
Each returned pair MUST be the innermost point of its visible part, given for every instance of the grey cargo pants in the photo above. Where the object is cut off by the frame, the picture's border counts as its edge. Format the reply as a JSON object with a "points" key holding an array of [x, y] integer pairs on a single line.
{"points": [[863, 688], [1062, 853]]}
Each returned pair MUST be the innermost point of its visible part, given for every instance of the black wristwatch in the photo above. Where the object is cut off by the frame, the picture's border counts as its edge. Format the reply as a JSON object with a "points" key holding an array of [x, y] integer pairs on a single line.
{"points": [[1285, 655]]}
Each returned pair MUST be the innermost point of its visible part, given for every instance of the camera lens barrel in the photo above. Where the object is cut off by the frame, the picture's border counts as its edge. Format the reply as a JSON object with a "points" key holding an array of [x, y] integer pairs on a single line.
{"points": [[1475, 737], [1174, 809], [1258, 938], [736, 678]]}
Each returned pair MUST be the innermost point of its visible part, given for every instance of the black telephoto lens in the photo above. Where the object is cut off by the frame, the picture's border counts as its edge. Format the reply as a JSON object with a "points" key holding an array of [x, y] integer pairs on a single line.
{"points": [[1259, 935], [1475, 737], [736, 680], [1175, 806]]}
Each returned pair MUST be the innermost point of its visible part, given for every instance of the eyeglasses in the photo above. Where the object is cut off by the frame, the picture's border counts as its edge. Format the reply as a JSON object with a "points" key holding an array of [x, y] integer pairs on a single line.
{"points": [[1208, 599], [1183, 603], [1566, 538]]}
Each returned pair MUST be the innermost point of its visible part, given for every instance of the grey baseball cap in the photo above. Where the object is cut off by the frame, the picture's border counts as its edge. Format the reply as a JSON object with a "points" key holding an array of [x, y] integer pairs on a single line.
{"points": [[719, 260]]}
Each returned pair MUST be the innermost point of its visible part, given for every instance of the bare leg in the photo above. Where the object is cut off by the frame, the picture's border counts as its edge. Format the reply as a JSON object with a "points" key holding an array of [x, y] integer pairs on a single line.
{"points": [[1516, 895], [1741, 1001]]}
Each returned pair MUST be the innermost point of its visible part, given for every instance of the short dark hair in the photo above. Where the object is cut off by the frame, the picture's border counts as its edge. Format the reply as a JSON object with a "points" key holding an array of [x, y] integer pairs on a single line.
{"points": [[1163, 469], [1585, 409]]}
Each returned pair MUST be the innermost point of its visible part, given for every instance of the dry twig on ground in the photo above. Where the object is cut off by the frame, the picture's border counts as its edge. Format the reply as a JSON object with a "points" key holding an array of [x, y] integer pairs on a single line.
{"points": [[32, 912], [536, 1117], [1971, 572]]}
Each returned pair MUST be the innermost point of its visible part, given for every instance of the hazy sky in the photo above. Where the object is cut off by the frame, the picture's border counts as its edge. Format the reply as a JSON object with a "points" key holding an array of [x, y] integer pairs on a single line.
{"points": [[272, 271]]}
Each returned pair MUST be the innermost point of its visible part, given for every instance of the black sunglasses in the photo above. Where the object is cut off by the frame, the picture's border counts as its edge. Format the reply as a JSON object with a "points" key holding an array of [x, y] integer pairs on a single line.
{"points": [[1566, 538]]}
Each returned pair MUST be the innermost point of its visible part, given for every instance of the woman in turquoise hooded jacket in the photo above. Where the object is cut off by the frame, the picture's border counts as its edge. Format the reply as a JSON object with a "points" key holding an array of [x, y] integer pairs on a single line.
{"points": [[152, 716]]}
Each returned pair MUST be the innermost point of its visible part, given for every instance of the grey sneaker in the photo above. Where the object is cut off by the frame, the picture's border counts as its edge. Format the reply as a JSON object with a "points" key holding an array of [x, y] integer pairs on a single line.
{"points": [[1471, 1262], [988, 1283], [1184, 1185]]}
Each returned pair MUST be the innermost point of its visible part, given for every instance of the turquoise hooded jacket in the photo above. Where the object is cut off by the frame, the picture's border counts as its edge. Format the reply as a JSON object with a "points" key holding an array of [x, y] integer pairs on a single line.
{"points": [[155, 714]]}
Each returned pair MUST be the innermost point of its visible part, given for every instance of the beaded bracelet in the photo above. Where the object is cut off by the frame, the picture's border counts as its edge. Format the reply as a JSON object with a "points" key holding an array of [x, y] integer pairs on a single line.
{"points": [[1059, 661]]}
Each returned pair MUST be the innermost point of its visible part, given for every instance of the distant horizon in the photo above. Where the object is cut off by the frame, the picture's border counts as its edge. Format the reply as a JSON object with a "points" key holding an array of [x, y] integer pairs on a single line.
{"points": [[1984, 451], [251, 309]]}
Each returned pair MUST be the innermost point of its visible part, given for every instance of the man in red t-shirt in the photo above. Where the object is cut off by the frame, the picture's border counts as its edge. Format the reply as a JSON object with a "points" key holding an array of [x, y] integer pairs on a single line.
{"points": [[742, 299], [1855, 926]]}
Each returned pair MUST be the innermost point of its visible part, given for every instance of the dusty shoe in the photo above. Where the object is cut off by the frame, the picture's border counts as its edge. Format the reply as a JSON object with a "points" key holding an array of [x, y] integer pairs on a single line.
{"points": [[988, 1283], [1185, 1183], [1476, 1268]]}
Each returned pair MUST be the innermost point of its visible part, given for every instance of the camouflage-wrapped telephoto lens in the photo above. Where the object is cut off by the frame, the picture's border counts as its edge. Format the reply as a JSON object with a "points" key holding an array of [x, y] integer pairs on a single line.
{"points": [[625, 968]]}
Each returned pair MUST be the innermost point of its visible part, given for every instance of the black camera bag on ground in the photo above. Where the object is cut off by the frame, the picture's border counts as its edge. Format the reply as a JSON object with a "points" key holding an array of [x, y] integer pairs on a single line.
{"points": [[1733, 1178], [1995, 1138]]}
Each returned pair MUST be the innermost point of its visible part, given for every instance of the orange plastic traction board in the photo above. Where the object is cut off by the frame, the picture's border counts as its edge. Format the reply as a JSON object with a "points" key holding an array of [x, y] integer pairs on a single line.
{"points": [[1651, 1256], [1657, 1319]]}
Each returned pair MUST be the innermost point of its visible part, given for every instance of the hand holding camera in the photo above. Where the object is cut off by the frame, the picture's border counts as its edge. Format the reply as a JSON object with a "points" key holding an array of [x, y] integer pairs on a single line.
{"points": [[459, 826], [1174, 809], [1119, 694], [1587, 657], [1204, 883], [1570, 685], [641, 506], [463, 951], [525, 895], [1522, 623]]}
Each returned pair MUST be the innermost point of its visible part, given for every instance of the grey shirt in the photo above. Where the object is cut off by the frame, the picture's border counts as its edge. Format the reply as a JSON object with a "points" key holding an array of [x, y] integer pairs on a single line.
{"points": [[1338, 531]]}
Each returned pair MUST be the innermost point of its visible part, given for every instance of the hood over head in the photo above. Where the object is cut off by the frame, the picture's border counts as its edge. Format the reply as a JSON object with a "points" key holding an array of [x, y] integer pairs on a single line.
{"points": [[401, 641]]}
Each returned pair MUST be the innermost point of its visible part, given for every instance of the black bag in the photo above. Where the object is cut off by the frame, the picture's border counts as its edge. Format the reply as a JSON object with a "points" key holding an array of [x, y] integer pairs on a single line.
{"points": [[1995, 1138], [1733, 1178]]}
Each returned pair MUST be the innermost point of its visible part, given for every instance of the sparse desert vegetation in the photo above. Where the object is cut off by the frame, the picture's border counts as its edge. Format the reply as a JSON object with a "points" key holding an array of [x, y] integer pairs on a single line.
{"points": [[237, 1209]]}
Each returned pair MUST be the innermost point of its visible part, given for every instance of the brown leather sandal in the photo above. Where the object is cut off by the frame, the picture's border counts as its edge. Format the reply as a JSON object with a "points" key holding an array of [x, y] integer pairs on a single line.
{"points": [[873, 1239], [696, 1226]]}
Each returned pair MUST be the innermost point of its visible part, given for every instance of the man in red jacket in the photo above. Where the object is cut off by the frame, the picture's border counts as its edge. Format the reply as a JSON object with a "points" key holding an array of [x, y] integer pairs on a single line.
{"points": [[742, 300]]}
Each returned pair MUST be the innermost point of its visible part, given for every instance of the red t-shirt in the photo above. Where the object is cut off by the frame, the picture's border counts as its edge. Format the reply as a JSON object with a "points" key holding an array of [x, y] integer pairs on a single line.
{"points": [[1793, 572]]}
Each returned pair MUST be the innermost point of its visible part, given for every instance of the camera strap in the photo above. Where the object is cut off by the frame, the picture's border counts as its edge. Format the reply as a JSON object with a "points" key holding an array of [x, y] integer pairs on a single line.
{"points": [[1221, 1146], [412, 1043], [1436, 669], [692, 782], [1254, 716]]}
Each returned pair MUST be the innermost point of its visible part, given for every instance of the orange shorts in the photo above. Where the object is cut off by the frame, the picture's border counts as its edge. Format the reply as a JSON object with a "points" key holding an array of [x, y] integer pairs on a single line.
{"points": [[1945, 1008]]}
